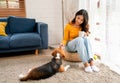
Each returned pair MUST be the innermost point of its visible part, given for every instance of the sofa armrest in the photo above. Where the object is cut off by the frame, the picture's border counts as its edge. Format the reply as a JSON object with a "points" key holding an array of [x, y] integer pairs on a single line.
{"points": [[42, 29]]}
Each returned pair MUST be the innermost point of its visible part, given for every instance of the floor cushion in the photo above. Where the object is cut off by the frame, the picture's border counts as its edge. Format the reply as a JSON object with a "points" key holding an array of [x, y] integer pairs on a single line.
{"points": [[72, 56]]}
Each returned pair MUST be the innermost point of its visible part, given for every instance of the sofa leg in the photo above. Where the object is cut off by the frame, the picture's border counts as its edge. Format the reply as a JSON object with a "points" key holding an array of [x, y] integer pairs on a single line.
{"points": [[36, 52]]}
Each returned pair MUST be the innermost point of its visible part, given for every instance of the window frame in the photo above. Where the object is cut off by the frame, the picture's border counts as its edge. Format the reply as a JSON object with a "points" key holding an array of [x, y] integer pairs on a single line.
{"points": [[12, 11]]}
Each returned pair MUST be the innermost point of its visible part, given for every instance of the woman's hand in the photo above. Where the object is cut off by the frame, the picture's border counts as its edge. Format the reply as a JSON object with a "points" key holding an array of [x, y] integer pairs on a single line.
{"points": [[62, 45], [86, 33]]}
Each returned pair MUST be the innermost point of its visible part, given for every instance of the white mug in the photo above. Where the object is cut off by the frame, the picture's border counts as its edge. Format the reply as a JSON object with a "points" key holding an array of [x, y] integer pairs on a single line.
{"points": [[81, 33]]}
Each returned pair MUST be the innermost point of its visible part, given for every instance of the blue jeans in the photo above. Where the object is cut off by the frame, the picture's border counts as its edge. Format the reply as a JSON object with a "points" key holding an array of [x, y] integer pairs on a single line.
{"points": [[82, 46]]}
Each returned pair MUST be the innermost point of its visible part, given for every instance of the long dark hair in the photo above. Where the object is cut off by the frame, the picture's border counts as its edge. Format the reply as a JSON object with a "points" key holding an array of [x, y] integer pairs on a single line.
{"points": [[84, 25]]}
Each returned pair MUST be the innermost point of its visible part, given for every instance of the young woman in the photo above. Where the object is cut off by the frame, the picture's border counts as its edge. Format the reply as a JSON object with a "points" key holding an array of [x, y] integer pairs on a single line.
{"points": [[75, 43]]}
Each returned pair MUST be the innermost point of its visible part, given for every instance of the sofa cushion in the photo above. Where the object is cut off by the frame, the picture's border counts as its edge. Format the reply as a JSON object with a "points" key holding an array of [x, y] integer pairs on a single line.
{"points": [[2, 28], [21, 25], [4, 42], [25, 40]]}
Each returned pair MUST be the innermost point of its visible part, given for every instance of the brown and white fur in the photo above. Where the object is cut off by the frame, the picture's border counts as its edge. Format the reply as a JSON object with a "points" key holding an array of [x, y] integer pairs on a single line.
{"points": [[47, 70]]}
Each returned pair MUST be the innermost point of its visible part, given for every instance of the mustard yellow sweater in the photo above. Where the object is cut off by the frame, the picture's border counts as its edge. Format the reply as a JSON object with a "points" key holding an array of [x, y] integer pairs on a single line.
{"points": [[70, 32]]}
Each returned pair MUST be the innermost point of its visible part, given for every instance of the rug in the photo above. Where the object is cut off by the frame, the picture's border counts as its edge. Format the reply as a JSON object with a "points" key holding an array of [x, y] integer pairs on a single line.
{"points": [[11, 65]]}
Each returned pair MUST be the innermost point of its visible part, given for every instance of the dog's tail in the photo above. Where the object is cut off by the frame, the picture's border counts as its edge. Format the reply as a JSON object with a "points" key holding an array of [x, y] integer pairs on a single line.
{"points": [[23, 77]]}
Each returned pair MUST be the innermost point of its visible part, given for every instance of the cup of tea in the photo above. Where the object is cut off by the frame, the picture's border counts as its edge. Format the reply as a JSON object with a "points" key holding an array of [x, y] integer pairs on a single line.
{"points": [[81, 33]]}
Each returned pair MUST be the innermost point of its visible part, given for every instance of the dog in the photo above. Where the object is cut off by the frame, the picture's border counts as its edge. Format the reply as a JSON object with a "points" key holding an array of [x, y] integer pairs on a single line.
{"points": [[47, 70]]}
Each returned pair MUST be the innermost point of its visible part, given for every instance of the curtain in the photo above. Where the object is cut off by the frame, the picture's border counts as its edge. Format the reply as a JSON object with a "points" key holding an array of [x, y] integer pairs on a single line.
{"points": [[113, 32], [104, 16]]}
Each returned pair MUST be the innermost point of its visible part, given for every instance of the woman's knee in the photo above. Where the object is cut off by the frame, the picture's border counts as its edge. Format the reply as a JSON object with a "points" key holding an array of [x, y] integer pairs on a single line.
{"points": [[80, 39], [86, 38]]}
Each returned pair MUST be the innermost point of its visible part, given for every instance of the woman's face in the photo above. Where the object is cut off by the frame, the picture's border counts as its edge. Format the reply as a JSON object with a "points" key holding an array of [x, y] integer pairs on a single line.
{"points": [[79, 20]]}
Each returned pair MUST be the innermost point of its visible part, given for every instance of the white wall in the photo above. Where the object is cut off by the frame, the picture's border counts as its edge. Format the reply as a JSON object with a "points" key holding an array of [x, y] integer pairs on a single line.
{"points": [[70, 8], [50, 12]]}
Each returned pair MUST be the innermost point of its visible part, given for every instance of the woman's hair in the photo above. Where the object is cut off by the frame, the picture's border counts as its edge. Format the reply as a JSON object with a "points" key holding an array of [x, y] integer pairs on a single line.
{"points": [[84, 25]]}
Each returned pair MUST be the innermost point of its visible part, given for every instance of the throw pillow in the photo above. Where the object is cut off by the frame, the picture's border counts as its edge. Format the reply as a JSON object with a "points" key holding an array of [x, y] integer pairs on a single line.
{"points": [[2, 28]]}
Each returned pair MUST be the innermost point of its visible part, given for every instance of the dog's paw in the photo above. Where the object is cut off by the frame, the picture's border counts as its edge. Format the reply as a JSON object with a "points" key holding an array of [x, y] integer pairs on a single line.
{"points": [[29, 70], [66, 67], [21, 76]]}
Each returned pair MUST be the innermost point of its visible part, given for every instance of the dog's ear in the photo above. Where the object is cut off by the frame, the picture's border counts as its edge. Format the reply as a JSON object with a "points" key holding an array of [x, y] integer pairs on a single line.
{"points": [[61, 51], [62, 54], [54, 52]]}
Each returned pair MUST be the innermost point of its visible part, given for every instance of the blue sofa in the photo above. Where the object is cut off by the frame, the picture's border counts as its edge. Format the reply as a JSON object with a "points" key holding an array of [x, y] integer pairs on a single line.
{"points": [[23, 34]]}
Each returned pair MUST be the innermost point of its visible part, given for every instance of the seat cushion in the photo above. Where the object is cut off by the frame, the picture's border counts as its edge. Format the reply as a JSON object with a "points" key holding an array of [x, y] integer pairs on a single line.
{"points": [[21, 25], [4, 42], [25, 40]]}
